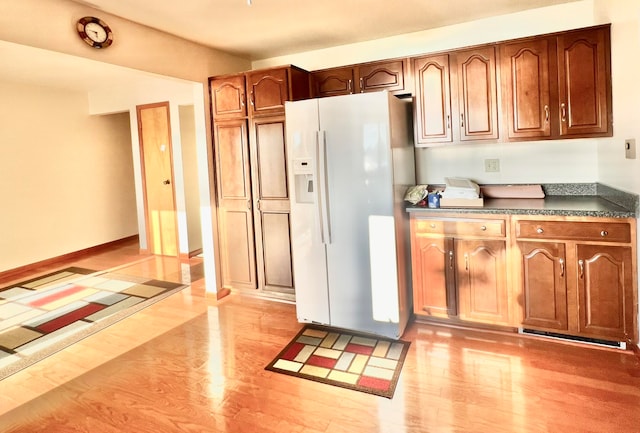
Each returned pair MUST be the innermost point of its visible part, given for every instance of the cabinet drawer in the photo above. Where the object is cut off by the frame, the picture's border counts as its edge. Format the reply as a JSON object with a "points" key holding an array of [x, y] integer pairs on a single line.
{"points": [[586, 231], [461, 227]]}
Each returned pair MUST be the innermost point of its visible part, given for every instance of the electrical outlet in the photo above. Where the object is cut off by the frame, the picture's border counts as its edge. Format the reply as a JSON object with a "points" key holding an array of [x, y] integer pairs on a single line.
{"points": [[492, 165], [630, 148]]}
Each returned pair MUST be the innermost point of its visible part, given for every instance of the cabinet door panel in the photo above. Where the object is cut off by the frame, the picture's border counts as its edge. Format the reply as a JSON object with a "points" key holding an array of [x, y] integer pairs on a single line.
{"points": [[525, 77], [228, 97], [268, 91], [433, 276], [237, 249], [605, 284], [276, 250], [481, 277], [544, 284], [583, 77], [433, 99], [477, 98], [378, 76], [332, 82], [271, 204]]}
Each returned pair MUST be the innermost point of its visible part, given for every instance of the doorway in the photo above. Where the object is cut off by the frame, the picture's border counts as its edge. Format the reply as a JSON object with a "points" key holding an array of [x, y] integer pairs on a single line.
{"points": [[154, 133]]}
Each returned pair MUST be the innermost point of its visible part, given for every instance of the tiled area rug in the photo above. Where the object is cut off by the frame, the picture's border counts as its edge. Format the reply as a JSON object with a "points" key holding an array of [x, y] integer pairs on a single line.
{"points": [[41, 316], [350, 360]]}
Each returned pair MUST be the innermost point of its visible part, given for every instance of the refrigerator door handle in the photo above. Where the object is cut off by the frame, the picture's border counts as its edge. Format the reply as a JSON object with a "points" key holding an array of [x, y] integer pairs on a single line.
{"points": [[323, 202]]}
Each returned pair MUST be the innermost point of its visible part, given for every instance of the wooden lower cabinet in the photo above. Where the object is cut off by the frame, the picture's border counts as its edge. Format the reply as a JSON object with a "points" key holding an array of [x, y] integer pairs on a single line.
{"points": [[434, 291], [577, 277], [574, 276], [481, 276], [458, 274]]}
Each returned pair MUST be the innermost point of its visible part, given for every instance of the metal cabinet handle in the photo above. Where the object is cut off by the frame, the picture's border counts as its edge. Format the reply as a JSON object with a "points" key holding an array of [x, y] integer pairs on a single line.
{"points": [[448, 121], [361, 85], [546, 114], [461, 120], [349, 88], [561, 267], [251, 99], [604, 233], [167, 182], [432, 225], [540, 230], [466, 261], [581, 265], [483, 228], [450, 259], [258, 204], [563, 110], [241, 99], [248, 204]]}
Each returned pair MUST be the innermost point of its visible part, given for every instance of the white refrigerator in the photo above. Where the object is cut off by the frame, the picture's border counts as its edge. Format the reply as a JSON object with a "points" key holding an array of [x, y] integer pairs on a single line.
{"points": [[351, 159]]}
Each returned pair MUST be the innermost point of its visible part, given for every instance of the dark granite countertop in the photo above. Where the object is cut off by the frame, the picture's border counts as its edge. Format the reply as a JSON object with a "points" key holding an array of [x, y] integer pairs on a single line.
{"points": [[615, 205]]}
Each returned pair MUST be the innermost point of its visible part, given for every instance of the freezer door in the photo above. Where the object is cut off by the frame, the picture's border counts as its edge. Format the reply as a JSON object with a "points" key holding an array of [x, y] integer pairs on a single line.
{"points": [[360, 201], [308, 251]]}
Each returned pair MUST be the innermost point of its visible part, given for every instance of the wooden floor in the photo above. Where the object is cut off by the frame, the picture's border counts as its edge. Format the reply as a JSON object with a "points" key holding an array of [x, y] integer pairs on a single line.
{"points": [[190, 364]]}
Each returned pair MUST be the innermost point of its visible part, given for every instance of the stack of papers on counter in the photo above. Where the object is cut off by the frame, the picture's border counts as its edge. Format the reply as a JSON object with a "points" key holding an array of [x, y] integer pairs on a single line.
{"points": [[460, 188], [460, 192]]}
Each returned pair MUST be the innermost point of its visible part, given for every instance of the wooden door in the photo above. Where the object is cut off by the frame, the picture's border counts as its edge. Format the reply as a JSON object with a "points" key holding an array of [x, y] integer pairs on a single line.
{"points": [[481, 278], [271, 204], [433, 264], [332, 82], [228, 98], [381, 75], [584, 86], [477, 98], [154, 133], [605, 290], [235, 214], [268, 91], [433, 100], [543, 271], [525, 83]]}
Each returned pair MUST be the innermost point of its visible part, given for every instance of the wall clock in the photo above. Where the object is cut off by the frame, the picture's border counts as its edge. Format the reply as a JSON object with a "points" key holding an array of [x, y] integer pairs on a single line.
{"points": [[95, 32]]}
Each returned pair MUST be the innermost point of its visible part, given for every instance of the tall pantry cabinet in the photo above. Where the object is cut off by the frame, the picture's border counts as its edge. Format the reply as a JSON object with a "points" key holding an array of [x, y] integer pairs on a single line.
{"points": [[251, 176]]}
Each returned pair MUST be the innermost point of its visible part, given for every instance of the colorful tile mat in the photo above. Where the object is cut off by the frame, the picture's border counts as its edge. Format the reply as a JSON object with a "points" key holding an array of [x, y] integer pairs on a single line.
{"points": [[350, 360], [41, 316]]}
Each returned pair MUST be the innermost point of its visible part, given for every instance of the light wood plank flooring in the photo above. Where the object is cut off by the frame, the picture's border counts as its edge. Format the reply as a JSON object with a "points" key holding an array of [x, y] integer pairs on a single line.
{"points": [[190, 364]]}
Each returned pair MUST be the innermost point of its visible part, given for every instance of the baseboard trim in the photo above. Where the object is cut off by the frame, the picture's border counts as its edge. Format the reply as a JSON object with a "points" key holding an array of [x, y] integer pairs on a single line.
{"points": [[15, 272]]}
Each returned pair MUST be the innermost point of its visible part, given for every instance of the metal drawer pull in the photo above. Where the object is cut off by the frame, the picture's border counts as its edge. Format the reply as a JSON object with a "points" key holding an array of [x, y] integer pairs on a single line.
{"points": [[450, 259], [483, 228], [539, 230], [561, 267], [581, 264], [466, 261], [603, 233], [432, 225]]}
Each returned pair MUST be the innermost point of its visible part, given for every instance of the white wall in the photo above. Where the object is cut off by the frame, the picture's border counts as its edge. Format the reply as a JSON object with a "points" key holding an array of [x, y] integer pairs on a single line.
{"points": [[66, 177], [190, 174]]}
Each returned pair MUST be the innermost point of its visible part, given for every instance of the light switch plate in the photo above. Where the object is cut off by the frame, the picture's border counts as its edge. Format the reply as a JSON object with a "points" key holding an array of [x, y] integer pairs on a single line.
{"points": [[630, 148], [491, 165]]}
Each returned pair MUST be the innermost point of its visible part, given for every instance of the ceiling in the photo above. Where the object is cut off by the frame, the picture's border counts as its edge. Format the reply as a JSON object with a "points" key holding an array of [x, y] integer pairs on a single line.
{"points": [[270, 28]]}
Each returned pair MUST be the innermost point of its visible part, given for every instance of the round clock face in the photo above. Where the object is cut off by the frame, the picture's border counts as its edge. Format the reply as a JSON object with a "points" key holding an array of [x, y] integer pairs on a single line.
{"points": [[95, 32]]}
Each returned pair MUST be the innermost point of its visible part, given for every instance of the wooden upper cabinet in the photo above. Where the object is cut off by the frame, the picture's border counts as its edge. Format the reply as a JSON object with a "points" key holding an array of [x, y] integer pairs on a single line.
{"points": [[382, 75], [477, 93], [584, 77], [388, 75], [525, 88], [332, 82], [433, 99], [269, 89], [228, 98]]}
